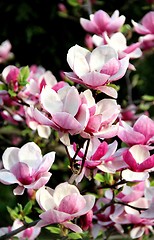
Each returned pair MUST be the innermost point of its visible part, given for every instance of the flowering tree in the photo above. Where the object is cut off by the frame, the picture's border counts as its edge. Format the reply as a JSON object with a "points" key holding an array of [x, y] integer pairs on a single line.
{"points": [[104, 183]]}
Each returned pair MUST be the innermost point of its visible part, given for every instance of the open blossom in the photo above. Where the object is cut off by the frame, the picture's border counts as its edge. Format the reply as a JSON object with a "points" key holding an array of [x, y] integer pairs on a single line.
{"points": [[38, 78], [96, 69], [26, 167], [5, 51], [100, 156], [63, 111], [63, 205], [42, 130], [119, 43], [139, 163], [146, 28], [142, 131], [30, 233], [101, 22], [102, 118]]}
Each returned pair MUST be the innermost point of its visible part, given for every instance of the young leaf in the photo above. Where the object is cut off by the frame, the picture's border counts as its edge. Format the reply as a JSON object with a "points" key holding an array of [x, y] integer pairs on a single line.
{"points": [[74, 236], [24, 73]]}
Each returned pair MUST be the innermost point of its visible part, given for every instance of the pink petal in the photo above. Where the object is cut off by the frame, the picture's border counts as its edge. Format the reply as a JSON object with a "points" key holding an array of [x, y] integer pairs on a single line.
{"points": [[101, 55], [50, 100], [90, 201], [114, 26], [10, 157], [47, 162], [72, 226], [111, 67], [19, 190], [73, 98], [148, 21], [110, 91], [101, 18], [139, 28], [100, 151], [45, 199], [145, 126], [41, 181], [123, 68], [95, 79], [88, 25], [7, 178], [64, 189], [67, 122], [76, 203], [128, 158], [76, 58], [53, 216], [147, 164]]}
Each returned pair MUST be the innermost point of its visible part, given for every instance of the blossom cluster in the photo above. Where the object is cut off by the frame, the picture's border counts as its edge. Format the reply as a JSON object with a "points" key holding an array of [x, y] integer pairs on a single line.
{"points": [[104, 144]]}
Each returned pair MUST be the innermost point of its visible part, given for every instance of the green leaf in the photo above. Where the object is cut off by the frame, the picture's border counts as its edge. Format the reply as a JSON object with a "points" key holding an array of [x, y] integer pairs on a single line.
{"points": [[74, 236], [12, 213], [148, 98], [12, 93], [99, 177], [27, 219], [52, 229], [28, 208], [73, 3], [24, 74], [3, 87]]}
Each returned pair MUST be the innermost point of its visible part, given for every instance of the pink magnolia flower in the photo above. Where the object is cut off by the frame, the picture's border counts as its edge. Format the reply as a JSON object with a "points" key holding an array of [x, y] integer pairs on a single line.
{"points": [[42, 130], [142, 131], [126, 215], [37, 79], [119, 43], [101, 22], [63, 205], [139, 163], [29, 233], [5, 51], [96, 69], [102, 119], [10, 74], [100, 156], [138, 158], [146, 27], [26, 167], [63, 111]]}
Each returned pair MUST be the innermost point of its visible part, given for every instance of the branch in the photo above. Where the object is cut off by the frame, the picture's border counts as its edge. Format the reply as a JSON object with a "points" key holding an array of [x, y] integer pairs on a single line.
{"points": [[20, 229]]}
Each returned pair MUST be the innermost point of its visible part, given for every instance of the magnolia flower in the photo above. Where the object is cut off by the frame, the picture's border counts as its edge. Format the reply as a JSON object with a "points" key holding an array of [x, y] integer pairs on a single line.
{"points": [[146, 28], [63, 205], [100, 155], [26, 167], [29, 233], [63, 111], [119, 42], [139, 163], [5, 53], [101, 22], [96, 69], [102, 120], [42, 130], [38, 78], [10, 74], [142, 131]]}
